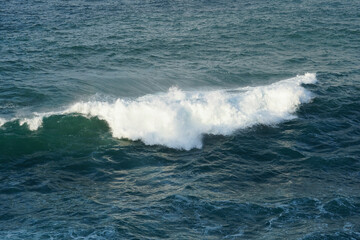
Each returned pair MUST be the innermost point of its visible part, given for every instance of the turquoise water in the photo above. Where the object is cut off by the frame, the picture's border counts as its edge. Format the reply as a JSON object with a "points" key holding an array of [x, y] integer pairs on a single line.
{"points": [[179, 119]]}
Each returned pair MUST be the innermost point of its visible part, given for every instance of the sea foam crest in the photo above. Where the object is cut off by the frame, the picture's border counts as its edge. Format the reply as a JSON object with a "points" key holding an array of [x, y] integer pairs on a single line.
{"points": [[178, 119]]}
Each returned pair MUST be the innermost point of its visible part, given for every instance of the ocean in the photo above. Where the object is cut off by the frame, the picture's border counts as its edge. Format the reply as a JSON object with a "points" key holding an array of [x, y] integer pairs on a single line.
{"points": [[159, 119]]}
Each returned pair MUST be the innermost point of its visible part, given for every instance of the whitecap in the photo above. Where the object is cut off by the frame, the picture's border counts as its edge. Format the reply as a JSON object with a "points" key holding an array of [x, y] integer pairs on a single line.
{"points": [[179, 119]]}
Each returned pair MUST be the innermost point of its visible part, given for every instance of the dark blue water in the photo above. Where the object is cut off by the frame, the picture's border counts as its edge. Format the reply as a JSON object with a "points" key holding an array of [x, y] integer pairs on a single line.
{"points": [[179, 119]]}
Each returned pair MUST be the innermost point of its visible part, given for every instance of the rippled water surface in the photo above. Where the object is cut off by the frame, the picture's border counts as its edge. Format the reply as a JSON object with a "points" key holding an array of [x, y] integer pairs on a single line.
{"points": [[179, 119]]}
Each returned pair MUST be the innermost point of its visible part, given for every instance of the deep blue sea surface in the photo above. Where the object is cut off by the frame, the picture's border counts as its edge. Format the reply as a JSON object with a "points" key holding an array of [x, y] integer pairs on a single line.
{"points": [[188, 119]]}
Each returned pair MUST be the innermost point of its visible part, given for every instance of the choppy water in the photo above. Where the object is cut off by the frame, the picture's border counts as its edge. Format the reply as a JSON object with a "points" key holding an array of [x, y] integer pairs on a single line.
{"points": [[179, 119]]}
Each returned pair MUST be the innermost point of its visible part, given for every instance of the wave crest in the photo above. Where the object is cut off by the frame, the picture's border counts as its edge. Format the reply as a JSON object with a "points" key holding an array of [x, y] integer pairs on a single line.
{"points": [[178, 119]]}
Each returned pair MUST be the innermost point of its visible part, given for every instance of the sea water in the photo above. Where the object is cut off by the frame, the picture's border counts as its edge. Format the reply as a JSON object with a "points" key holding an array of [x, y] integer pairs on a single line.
{"points": [[179, 119]]}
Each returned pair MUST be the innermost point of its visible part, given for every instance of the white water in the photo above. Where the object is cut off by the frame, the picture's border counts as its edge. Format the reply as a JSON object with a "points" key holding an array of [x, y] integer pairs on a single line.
{"points": [[2, 121], [178, 119]]}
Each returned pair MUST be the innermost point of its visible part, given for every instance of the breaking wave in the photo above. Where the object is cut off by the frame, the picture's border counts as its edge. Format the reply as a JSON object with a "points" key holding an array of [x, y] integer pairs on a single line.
{"points": [[178, 119]]}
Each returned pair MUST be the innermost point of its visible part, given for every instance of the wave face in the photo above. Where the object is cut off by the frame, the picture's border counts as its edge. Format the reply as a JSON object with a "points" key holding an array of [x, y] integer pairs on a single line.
{"points": [[178, 119]]}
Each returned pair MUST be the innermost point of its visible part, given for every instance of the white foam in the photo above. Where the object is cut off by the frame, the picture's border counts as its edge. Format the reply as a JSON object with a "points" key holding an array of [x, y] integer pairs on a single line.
{"points": [[2, 121], [33, 123], [36, 121], [178, 119]]}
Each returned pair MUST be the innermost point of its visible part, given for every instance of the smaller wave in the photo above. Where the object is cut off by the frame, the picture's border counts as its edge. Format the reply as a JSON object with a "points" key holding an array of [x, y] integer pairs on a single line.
{"points": [[178, 119], [34, 122]]}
